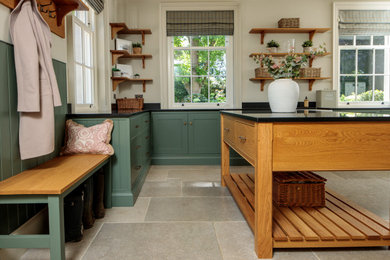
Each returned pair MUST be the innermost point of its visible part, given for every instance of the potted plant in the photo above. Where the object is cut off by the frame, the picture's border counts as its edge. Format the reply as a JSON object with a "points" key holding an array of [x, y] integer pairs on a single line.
{"points": [[116, 72], [307, 46], [136, 76], [137, 48], [272, 46]]}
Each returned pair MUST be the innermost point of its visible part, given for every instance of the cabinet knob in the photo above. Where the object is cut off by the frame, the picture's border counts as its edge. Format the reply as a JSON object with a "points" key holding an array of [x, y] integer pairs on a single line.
{"points": [[147, 153], [136, 126], [146, 121], [147, 137], [137, 147], [242, 138], [185, 123], [190, 123], [137, 167]]}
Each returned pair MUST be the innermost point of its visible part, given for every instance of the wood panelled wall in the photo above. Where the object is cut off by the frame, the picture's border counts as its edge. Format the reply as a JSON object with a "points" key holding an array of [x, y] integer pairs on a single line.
{"points": [[12, 216]]}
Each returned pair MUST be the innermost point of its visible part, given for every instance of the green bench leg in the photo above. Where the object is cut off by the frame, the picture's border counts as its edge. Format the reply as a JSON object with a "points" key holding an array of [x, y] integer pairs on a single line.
{"points": [[56, 227]]}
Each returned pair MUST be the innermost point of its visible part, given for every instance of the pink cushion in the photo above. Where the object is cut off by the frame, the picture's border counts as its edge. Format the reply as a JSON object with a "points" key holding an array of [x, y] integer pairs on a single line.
{"points": [[93, 140]]}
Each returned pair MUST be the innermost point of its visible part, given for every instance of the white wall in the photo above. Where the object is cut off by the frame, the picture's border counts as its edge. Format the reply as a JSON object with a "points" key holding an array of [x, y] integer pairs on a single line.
{"points": [[58, 43], [254, 13]]}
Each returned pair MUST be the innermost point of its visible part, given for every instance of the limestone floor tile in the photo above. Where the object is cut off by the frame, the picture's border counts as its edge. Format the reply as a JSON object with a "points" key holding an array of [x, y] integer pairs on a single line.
{"points": [[127, 214], [73, 250], [157, 241], [155, 174], [195, 175], [204, 188], [169, 188], [193, 209], [353, 253], [236, 242]]}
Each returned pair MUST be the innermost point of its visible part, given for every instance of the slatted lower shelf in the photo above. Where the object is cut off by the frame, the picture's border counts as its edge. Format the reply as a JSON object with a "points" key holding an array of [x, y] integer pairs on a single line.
{"points": [[341, 223]]}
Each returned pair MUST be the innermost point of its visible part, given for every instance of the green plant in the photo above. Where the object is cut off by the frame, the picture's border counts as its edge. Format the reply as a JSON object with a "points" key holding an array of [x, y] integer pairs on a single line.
{"points": [[136, 75], [287, 67], [115, 69], [273, 43], [307, 44], [137, 45]]}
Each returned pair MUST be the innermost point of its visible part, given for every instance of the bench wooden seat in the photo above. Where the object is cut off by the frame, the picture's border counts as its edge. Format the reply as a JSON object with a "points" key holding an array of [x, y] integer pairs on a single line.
{"points": [[49, 183]]}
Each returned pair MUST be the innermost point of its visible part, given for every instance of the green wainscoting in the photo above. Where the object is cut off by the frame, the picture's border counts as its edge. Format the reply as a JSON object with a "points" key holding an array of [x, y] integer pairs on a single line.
{"points": [[131, 161], [12, 216]]}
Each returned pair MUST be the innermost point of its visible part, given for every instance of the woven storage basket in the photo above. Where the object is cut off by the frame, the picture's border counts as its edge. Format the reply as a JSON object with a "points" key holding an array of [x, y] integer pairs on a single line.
{"points": [[129, 105], [298, 189], [288, 23], [262, 73], [310, 72]]}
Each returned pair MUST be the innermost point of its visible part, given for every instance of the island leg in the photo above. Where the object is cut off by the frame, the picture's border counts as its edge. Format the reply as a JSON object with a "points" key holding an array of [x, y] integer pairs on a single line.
{"points": [[225, 156], [263, 192]]}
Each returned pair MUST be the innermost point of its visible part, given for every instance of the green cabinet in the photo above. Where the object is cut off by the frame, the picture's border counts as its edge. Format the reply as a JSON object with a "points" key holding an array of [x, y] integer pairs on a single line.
{"points": [[131, 139], [186, 137]]}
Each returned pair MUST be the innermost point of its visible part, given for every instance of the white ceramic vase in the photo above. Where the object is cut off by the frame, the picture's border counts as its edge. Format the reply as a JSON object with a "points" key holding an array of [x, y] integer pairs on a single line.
{"points": [[283, 95]]}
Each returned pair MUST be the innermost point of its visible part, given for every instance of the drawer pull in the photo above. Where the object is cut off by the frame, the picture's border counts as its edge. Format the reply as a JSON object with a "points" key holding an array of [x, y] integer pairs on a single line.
{"points": [[137, 147], [136, 126], [227, 129], [242, 139], [147, 137], [137, 167]]}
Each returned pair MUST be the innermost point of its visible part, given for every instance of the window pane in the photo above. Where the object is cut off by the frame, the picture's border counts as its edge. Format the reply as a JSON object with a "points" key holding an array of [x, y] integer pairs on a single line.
{"points": [[347, 61], [217, 62], [182, 62], [78, 46], [199, 62], [199, 41], [79, 84], [347, 88], [379, 40], [87, 49], [365, 61], [363, 40], [364, 88], [217, 41], [182, 90], [181, 41], [218, 89], [88, 86], [200, 90], [379, 87], [379, 61], [345, 40]]}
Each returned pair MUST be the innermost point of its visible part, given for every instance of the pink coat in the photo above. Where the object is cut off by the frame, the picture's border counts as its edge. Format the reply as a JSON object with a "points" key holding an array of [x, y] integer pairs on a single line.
{"points": [[37, 85]]}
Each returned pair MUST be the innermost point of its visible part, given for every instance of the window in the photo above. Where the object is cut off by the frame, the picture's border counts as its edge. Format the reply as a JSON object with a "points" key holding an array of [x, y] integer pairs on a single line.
{"points": [[200, 71], [362, 45]]}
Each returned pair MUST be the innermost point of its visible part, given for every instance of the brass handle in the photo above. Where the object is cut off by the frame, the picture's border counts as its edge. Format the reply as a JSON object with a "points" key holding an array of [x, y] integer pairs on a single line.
{"points": [[190, 123], [137, 126], [227, 129], [137, 167], [242, 139], [137, 147], [147, 137], [185, 123]]}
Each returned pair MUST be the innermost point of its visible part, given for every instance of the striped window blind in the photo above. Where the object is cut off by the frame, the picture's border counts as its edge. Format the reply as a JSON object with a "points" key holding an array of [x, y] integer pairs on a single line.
{"points": [[364, 22], [97, 5]]}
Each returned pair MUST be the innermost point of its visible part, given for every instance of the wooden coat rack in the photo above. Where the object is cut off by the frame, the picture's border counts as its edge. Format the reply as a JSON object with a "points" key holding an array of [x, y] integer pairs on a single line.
{"points": [[53, 11]]}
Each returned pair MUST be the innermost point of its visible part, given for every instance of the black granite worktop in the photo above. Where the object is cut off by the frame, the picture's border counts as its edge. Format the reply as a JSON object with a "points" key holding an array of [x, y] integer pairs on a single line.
{"points": [[311, 115]]}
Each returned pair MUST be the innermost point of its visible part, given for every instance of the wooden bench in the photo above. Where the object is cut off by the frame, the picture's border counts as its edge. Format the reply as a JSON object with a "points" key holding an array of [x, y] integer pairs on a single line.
{"points": [[49, 183]]}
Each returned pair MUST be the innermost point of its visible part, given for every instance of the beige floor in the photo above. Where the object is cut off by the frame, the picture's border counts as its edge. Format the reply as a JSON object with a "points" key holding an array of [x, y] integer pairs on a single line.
{"points": [[183, 213]]}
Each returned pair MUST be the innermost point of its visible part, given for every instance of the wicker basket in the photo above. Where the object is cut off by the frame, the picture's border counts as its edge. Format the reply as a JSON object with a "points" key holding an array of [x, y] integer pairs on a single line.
{"points": [[262, 73], [298, 189], [129, 105], [288, 23], [310, 72]]}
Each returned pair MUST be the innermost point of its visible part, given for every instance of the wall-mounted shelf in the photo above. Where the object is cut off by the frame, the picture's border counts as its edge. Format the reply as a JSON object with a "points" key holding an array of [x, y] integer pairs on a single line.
{"points": [[121, 28], [310, 31], [282, 54], [311, 81], [58, 10], [118, 80], [116, 54]]}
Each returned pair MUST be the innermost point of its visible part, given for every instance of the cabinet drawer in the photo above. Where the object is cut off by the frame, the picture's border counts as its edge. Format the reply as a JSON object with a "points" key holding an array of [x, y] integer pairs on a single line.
{"points": [[245, 139], [139, 123], [228, 130]]}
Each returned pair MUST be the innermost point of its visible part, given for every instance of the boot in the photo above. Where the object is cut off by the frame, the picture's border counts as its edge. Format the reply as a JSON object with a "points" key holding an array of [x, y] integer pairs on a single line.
{"points": [[99, 195], [88, 218]]}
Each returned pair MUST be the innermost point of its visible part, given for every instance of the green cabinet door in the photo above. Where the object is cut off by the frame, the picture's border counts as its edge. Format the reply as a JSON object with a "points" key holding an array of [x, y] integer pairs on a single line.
{"points": [[170, 133], [204, 133]]}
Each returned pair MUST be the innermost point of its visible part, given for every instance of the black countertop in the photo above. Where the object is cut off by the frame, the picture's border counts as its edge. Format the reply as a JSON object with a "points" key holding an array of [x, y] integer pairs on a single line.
{"points": [[311, 115]]}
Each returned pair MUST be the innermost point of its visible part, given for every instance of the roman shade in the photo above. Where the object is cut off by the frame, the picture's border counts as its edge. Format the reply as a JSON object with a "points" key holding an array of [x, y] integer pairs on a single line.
{"points": [[364, 22], [97, 5], [192, 23]]}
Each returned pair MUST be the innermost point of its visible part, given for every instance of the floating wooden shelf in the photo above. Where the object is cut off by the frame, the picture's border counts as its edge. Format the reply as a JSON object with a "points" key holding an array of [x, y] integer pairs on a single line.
{"points": [[311, 81], [310, 31], [341, 223], [61, 8], [118, 80], [116, 54], [282, 54], [121, 28]]}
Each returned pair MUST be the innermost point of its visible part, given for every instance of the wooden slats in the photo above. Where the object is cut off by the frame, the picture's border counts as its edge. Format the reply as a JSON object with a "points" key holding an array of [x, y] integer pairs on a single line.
{"points": [[339, 223]]}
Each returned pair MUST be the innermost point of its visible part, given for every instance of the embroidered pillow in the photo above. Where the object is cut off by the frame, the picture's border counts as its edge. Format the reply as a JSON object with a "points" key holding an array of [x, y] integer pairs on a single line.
{"points": [[94, 139]]}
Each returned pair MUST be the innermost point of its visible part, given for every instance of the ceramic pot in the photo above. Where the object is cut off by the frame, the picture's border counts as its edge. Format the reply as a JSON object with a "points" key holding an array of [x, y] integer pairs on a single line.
{"points": [[307, 49], [116, 73], [283, 95], [272, 50], [137, 50]]}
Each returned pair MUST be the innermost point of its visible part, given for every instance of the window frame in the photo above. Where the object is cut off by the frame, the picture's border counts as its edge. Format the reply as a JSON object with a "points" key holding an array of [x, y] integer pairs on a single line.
{"points": [[229, 75], [337, 48]]}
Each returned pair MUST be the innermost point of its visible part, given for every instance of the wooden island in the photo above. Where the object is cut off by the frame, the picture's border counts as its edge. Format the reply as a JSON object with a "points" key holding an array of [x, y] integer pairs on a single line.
{"points": [[305, 141]]}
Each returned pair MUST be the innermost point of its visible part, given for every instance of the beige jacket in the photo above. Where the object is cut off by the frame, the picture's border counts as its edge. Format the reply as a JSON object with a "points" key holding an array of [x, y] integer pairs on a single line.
{"points": [[37, 85]]}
